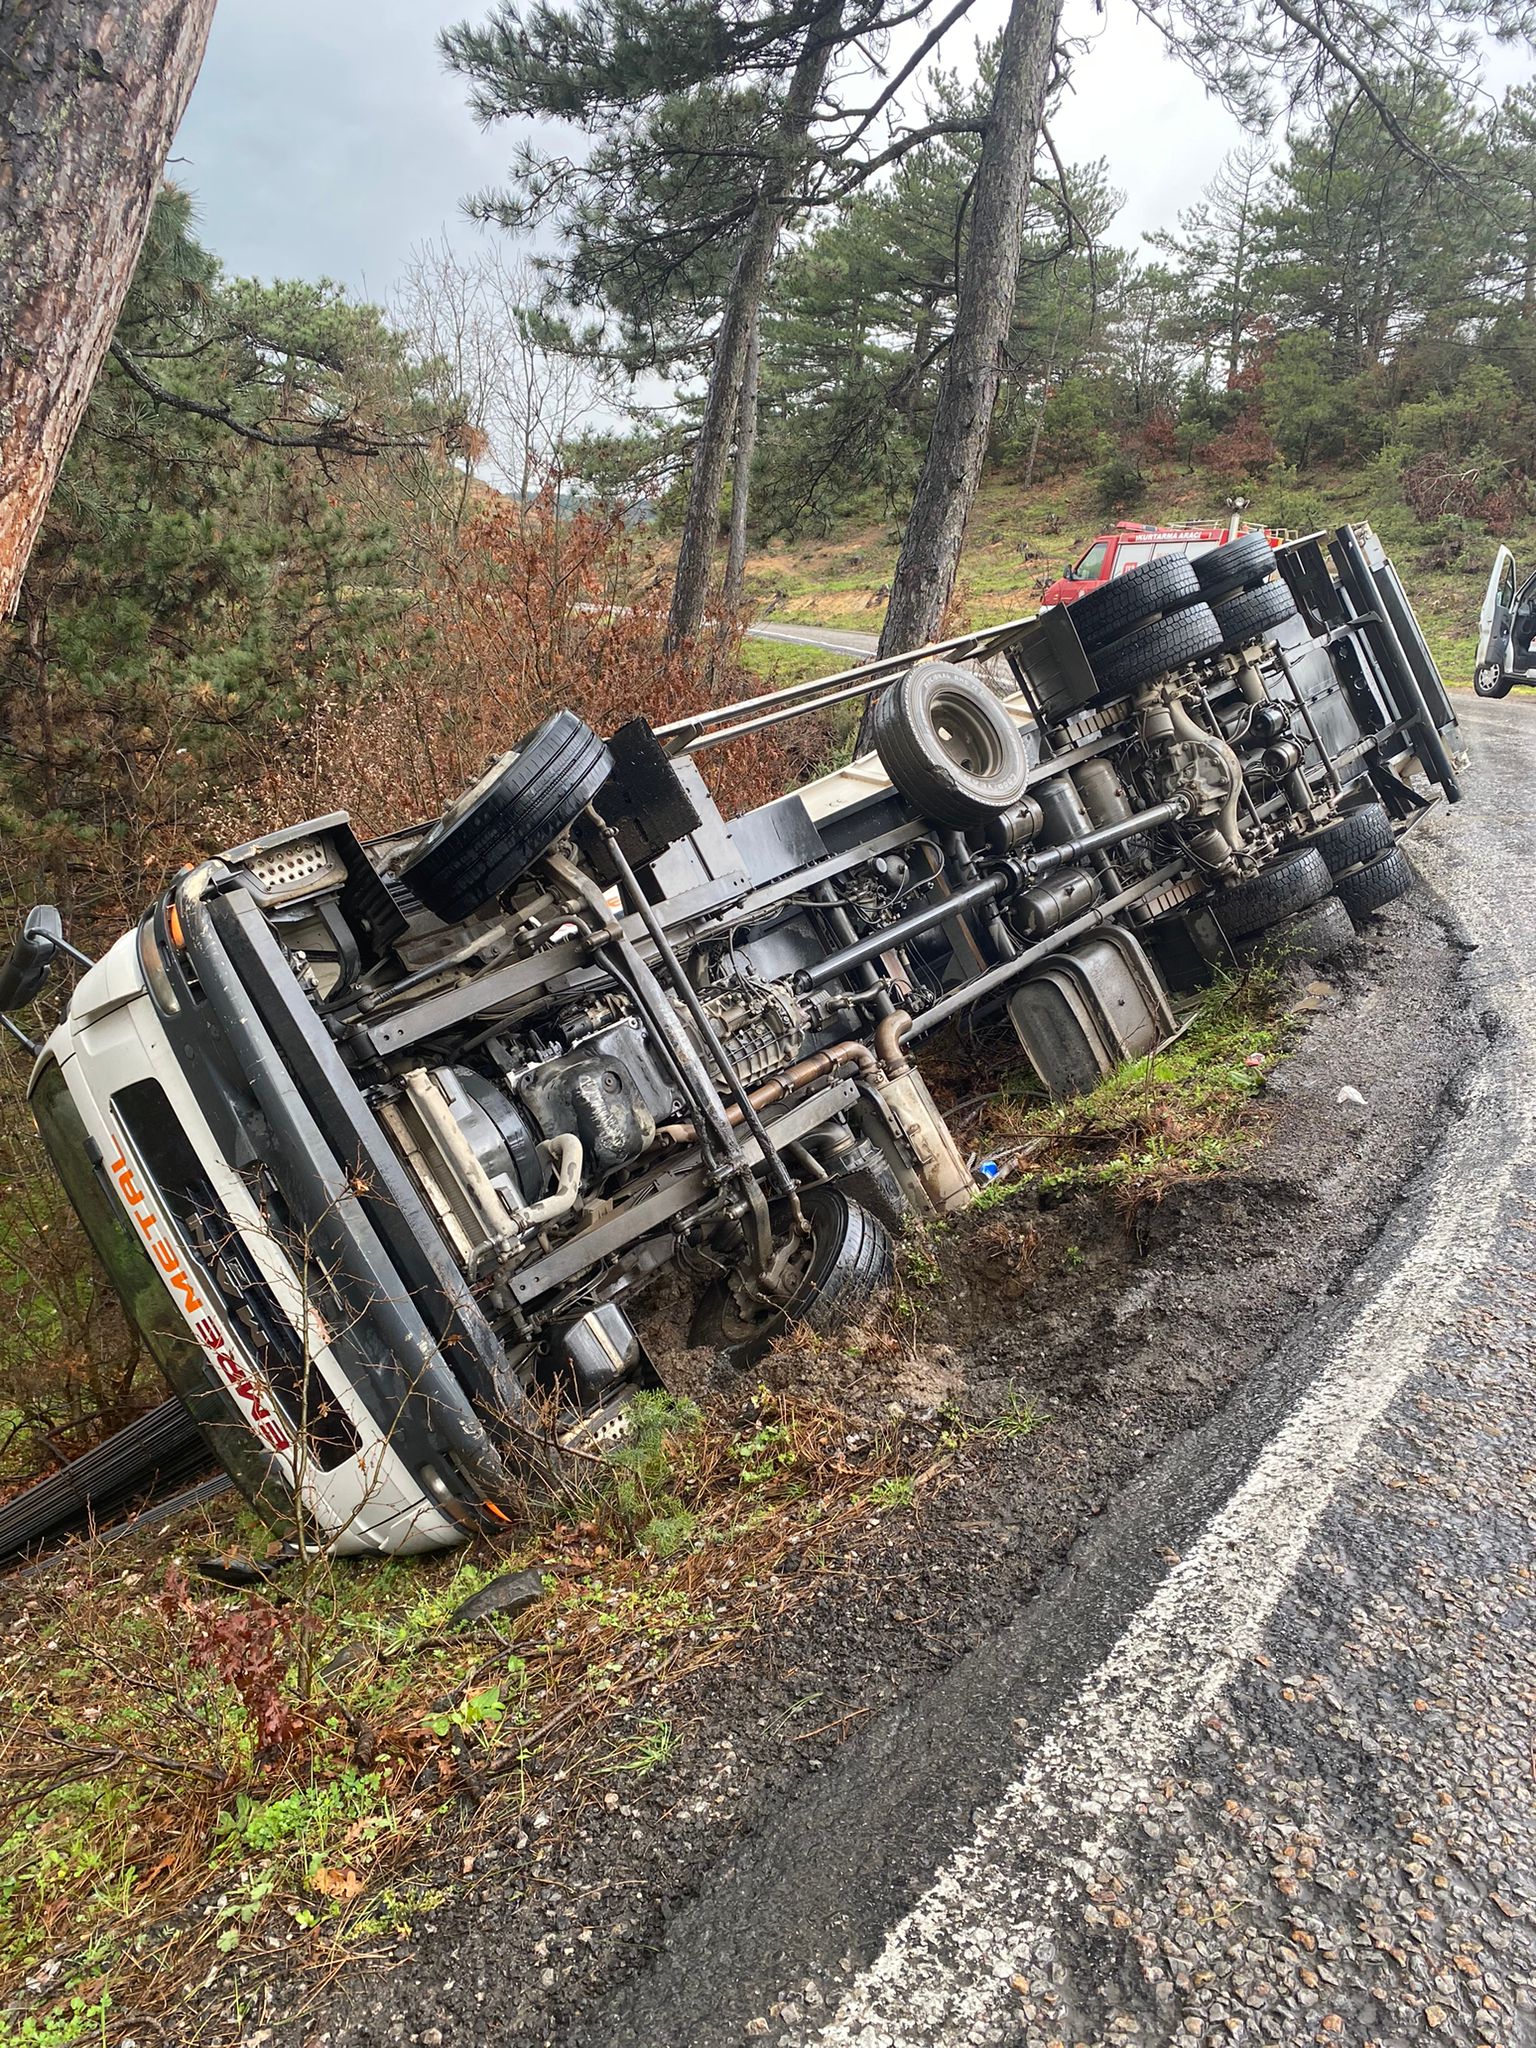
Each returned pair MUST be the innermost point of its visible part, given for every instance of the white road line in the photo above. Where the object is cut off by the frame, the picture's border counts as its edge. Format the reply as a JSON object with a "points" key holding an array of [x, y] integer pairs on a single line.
{"points": [[943, 1975]]}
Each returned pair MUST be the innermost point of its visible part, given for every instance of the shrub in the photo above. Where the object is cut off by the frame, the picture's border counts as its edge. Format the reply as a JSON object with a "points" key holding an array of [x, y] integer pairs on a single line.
{"points": [[530, 611], [1119, 483]]}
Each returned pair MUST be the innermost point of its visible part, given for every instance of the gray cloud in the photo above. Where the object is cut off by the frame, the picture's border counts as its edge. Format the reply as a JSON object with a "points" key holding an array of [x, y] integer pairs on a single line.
{"points": [[325, 138]]}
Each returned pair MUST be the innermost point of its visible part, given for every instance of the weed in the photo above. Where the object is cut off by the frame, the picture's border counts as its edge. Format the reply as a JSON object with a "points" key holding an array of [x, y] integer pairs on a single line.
{"points": [[1018, 1418], [151, 1833], [645, 1472], [479, 1713], [82, 2020], [307, 1819], [918, 1261], [1178, 1115], [768, 1450], [897, 1491], [650, 1749]]}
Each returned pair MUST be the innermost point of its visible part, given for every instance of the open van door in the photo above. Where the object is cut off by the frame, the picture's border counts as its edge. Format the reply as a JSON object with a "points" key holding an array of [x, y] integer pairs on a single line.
{"points": [[1490, 678]]}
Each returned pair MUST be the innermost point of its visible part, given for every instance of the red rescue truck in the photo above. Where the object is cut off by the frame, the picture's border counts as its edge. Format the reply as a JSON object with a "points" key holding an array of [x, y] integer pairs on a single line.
{"points": [[1126, 546]]}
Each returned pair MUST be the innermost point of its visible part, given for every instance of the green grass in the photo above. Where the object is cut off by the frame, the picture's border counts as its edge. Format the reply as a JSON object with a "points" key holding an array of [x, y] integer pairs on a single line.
{"points": [[156, 1835], [780, 663], [1181, 1114]]}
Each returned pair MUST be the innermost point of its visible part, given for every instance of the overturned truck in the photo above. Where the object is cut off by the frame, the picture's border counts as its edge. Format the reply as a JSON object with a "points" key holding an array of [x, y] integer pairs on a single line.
{"points": [[381, 1142]]}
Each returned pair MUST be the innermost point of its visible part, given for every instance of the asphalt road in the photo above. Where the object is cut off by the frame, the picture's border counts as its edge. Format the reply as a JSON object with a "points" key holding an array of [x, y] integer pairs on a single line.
{"points": [[1260, 1765], [830, 637]]}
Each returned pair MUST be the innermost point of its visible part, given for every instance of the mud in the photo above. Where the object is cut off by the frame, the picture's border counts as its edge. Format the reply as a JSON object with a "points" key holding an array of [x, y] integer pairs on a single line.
{"points": [[1119, 1340]]}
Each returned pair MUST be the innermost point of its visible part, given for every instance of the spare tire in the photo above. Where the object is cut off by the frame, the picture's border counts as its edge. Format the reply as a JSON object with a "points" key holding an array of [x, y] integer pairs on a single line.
{"points": [[492, 835], [1235, 565], [1355, 838], [949, 746], [1163, 644], [1112, 609], [1253, 613], [1365, 890], [1283, 888], [849, 1261]]}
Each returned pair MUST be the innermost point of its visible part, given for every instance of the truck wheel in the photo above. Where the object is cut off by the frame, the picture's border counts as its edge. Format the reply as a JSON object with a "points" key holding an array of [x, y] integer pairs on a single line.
{"points": [[1164, 644], [1355, 838], [848, 1262], [1235, 565], [1322, 931], [494, 833], [1283, 888], [1252, 613], [1105, 614], [949, 746], [1364, 891], [1491, 681]]}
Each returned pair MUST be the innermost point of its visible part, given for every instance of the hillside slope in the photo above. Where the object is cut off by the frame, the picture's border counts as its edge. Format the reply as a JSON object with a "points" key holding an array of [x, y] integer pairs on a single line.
{"points": [[1020, 540]]}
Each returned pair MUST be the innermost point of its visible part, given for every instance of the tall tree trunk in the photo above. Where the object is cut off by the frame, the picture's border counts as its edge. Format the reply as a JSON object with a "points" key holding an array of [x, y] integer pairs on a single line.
{"points": [[741, 478], [701, 512], [90, 96], [957, 442], [1236, 311], [1045, 390]]}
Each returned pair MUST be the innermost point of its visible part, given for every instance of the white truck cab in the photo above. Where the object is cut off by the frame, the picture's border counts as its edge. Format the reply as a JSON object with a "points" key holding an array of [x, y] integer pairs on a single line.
{"points": [[1505, 627]]}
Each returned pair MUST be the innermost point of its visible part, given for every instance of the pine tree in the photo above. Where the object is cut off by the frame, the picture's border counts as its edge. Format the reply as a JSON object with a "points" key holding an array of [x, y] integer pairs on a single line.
{"points": [[204, 565], [1215, 255], [717, 127]]}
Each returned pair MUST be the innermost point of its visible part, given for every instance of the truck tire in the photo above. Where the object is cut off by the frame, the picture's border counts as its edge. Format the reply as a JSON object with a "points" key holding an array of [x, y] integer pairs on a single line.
{"points": [[1235, 565], [1355, 838], [1366, 890], [1491, 681], [493, 834], [1322, 931], [949, 746], [1163, 644], [1252, 613], [850, 1263], [1115, 607], [1293, 883]]}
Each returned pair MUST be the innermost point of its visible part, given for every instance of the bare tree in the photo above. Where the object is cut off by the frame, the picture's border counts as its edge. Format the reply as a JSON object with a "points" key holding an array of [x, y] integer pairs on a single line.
{"points": [[477, 325], [90, 97]]}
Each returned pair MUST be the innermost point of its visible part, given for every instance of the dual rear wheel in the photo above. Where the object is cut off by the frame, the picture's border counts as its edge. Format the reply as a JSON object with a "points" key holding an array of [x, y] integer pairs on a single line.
{"points": [[1169, 613], [1353, 866]]}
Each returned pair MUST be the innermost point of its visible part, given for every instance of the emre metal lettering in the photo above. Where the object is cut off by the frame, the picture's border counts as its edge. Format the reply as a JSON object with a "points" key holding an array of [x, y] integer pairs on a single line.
{"points": [[247, 1389]]}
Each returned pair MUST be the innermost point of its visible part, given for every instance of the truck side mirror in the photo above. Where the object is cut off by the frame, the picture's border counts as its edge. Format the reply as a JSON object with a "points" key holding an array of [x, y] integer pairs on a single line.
{"points": [[23, 975]]}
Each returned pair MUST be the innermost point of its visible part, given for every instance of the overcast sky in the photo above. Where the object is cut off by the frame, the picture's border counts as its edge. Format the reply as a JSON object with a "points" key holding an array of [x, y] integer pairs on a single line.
{"points": [[326, 139]]}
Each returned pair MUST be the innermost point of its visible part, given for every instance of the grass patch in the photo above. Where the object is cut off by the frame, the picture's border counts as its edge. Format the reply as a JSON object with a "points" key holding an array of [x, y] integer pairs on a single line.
{"points": [[197, 1784], [781, 663], [1179, 1115]]}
